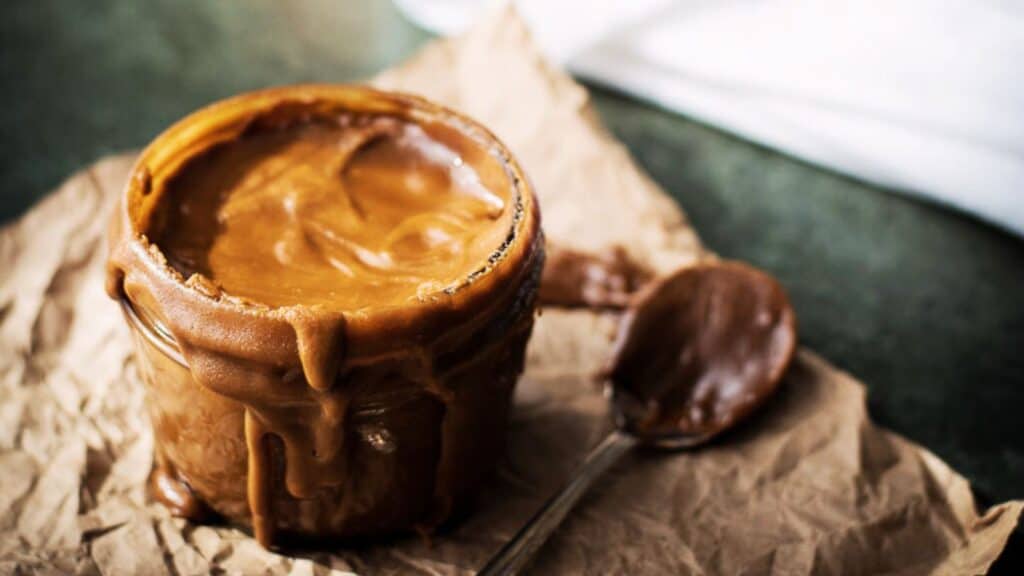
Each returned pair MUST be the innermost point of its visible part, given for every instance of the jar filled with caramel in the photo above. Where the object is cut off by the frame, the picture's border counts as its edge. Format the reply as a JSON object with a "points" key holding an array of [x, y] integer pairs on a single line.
{"points": [[331, 289]]}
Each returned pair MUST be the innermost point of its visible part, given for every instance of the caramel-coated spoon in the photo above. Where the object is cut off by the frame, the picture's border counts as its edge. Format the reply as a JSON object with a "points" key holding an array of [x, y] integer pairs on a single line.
{"points": [[696, 353]]}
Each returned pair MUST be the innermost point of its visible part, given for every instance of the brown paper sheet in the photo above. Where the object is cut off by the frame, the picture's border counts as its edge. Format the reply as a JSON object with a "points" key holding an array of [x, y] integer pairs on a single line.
{"points": [[809, 486]]}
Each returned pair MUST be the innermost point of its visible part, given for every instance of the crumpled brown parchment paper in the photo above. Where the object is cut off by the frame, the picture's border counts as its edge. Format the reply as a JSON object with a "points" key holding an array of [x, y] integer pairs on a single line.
{"points": [[809, 486]]}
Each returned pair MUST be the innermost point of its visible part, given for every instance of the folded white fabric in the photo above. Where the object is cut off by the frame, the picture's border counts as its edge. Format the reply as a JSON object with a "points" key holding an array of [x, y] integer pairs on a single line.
{"points": [[918, 96]]}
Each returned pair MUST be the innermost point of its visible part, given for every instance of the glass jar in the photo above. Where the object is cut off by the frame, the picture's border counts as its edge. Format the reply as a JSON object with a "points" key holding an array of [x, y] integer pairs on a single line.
{"points": [[412, 416]]}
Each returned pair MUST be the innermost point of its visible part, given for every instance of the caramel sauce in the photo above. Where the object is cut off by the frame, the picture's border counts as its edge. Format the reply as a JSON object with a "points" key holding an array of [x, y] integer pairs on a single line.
{"points": [[355, 272], [574, 279], [349, 214]]}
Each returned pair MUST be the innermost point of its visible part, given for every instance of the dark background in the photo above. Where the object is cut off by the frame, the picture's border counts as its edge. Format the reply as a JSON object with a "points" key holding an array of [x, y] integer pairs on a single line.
{"points": [[924, 305]]}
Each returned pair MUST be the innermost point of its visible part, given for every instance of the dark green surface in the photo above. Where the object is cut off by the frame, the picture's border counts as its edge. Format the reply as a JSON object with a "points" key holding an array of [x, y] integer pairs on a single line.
{"points": [[924, 305]]}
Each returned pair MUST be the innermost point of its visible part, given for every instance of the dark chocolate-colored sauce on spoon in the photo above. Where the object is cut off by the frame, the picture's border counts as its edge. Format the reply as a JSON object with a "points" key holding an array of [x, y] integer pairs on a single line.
{"points": [[699, 350]]}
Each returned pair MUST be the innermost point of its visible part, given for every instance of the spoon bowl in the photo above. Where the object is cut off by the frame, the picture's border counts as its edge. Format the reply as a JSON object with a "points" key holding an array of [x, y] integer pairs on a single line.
{"points": [[698, 351]]}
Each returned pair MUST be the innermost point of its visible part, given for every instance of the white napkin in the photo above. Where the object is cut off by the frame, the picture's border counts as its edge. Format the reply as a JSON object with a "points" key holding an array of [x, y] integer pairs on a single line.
{"points": [[919, 96]]}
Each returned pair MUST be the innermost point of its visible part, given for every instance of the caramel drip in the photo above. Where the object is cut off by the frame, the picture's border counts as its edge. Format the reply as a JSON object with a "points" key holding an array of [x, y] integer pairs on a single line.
{"points": [[308, 414], [259, 479], [175, 494], [321, 346]]}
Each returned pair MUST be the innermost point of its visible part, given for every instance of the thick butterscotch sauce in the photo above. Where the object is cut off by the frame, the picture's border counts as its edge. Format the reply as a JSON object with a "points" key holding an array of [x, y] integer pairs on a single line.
{"points": [[331, 290], [574, 279], [349, 213]]}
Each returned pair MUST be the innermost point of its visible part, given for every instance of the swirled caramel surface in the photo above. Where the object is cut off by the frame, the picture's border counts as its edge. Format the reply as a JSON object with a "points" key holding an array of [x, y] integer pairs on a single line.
{"points": [[346, 213]]}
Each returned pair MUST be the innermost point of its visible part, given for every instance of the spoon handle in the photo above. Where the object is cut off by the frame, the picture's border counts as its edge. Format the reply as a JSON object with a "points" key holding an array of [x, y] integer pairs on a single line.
{"points": [[517, 552]]}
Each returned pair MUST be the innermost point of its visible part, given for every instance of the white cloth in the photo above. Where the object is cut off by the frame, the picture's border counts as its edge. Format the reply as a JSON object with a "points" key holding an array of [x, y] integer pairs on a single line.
{"points": [[919, 96]]}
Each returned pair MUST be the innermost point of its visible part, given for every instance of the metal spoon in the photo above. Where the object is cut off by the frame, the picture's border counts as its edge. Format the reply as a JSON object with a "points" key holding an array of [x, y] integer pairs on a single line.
{"points": [[696, 352]]}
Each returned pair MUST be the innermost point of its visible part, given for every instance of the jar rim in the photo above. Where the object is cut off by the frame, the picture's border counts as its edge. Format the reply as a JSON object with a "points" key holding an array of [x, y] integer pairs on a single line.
{"points": [[137, 266], [153, 332], [227, 119]]}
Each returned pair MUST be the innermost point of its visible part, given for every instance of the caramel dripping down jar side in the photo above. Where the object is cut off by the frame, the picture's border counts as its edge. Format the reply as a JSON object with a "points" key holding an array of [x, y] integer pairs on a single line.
{"points": [[318, 425]]}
